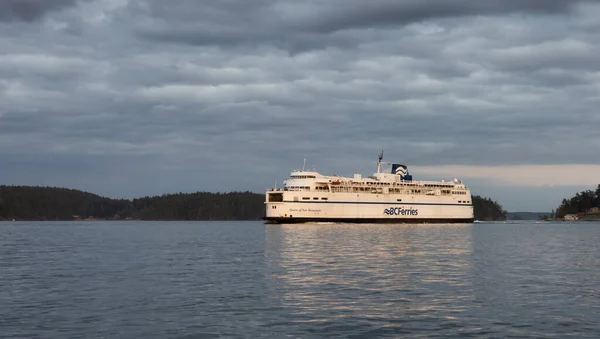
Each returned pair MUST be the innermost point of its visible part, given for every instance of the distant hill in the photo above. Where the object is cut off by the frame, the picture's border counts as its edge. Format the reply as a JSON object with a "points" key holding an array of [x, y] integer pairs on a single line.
{"points": [[527, 215], [55, 203]]}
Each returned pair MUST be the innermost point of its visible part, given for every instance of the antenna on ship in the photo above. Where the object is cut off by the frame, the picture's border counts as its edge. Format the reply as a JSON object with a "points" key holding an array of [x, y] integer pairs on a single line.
{"points": [[379, 162], [304, 165]]}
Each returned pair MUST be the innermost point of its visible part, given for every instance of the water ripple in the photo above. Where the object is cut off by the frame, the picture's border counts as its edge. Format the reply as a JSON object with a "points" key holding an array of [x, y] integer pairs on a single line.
{"points": [[249, 280]]}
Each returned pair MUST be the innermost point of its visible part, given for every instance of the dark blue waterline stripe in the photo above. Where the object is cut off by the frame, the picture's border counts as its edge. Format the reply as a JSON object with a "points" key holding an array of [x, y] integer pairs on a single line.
{"points": [[373, 203], [290, 220]]}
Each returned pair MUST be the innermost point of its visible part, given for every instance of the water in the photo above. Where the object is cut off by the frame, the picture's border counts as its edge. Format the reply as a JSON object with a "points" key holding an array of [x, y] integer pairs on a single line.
{"points": [[249, 280]]}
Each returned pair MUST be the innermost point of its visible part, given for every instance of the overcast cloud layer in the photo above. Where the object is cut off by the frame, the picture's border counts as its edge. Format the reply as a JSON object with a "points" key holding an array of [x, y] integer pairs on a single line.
{"points": [[128, 98]]}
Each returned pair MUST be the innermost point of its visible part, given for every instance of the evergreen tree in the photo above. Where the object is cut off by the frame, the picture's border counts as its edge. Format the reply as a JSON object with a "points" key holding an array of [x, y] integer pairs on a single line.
{"points": [[580, 203], [487, 210]]}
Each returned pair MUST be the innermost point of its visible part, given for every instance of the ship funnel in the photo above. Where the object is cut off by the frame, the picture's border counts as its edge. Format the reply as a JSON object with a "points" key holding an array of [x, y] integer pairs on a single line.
{"points": [[402, 171]]}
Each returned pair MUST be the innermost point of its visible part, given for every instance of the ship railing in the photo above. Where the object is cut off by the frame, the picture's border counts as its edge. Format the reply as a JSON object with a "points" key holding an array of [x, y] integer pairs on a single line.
{"points": [[409, 184]]}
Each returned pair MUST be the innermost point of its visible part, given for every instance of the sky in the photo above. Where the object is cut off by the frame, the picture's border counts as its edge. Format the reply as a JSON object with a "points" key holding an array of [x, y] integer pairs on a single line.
{"points": [[127, 98]]}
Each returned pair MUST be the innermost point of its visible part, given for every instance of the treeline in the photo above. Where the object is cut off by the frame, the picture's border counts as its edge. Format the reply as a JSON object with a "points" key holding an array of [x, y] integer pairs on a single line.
{"points": [[200, 206], [580, 203], [50, 203], [485, 209], [53, 203]]}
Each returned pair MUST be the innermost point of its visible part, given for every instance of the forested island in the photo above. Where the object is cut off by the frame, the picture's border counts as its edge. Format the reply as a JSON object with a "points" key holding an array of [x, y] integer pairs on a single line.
{"points": [[485, 209], [53, 203], [584, 205]]}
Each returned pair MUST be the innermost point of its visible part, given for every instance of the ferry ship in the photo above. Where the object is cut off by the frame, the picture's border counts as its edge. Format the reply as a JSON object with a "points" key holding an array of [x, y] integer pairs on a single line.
{"points": [[388, 196]]}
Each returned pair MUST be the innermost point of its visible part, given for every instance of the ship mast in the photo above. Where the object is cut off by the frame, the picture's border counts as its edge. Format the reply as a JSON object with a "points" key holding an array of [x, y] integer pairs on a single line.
{"points": [[379, 162]]}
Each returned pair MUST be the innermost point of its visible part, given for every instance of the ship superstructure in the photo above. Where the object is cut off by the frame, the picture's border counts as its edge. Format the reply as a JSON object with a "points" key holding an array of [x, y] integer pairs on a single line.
{"points": [[386, 196]]}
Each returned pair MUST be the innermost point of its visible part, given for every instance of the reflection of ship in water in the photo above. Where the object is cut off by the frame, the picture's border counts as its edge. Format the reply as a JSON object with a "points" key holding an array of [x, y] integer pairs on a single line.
{"points": [[389, 270]]}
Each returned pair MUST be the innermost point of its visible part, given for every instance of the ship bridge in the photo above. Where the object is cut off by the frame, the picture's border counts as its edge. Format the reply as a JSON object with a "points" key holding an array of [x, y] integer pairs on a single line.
{"points": [[305, 180], [305, 175]]}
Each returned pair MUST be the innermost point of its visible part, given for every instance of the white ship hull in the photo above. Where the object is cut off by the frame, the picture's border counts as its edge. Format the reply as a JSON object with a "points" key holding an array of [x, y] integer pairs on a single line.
{"points": [[370, 208]]}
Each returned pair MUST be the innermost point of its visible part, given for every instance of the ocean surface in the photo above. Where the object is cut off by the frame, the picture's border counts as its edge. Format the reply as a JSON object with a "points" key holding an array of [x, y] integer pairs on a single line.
{"points": [[251, 280]]}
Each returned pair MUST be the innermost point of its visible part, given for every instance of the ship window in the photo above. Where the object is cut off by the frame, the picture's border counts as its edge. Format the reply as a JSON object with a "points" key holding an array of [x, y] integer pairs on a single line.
{"points": [[323, 198], [398, 199], [460, 202], [315, 198], [275, 197], [305, 198]]}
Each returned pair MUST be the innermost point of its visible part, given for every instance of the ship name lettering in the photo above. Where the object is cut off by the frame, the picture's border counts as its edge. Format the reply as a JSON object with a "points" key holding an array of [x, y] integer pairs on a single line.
{"points": [[304, 210]]}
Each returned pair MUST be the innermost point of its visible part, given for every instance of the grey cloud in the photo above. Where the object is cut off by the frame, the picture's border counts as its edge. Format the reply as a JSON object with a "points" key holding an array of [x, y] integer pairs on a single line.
{"points": [[302, 26], [30, 10], [116, 111], [357, 14]]}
